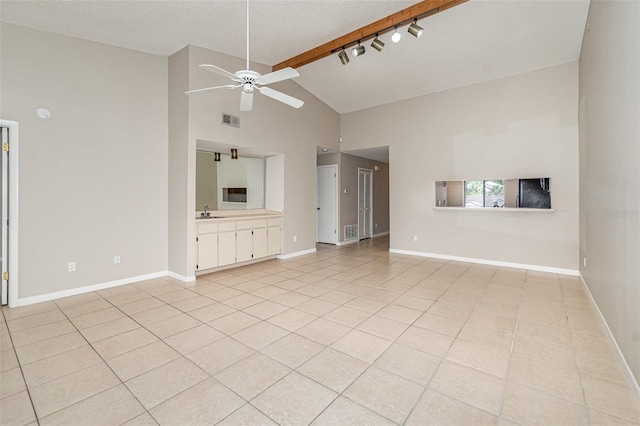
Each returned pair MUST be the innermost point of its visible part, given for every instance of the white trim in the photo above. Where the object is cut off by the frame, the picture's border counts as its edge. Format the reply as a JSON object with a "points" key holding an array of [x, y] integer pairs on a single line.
{"points": [[550, 269], [345, 243], [381, 234], [13, 210], [625, 366], [296, 254], [183, 278], [88, 289]]}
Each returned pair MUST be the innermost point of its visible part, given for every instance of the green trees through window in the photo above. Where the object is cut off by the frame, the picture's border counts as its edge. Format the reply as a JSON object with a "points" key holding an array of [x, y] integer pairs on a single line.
{"points": [[484, 193]]}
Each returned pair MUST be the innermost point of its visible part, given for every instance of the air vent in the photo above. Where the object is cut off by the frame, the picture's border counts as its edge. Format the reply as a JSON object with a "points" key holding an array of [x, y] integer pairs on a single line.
{"points": [[350, 232], [230, 120]]}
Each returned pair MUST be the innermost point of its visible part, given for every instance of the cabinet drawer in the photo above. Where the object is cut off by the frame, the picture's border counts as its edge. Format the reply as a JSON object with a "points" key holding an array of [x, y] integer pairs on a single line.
{"points": [[262, 223], [207, 228], [226, 226], [276, 221], [244, 224]]}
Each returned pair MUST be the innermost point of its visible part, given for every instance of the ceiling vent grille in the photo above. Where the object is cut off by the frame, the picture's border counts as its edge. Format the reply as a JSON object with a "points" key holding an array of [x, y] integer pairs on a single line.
{"points": [[230, 120]]}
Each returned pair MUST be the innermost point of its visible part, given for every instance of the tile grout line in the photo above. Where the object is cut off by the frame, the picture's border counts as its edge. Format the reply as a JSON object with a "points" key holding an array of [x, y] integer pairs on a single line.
{"points": [[33, 407]]}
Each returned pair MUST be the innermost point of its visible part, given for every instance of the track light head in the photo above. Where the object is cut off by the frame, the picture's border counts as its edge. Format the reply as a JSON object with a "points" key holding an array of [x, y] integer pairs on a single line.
{"points": [[216, 156], [377, 44], [234, 154], [344, 58], [415, 29], [357, 50], [396, 35]]}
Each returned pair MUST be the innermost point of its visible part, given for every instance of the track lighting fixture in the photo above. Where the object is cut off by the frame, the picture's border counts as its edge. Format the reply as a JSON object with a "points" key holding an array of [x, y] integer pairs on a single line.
{"points": [[415, 29], [396, 36], [344, 58], [377, 44], [357, 50], [216, 156], [234, 154]]}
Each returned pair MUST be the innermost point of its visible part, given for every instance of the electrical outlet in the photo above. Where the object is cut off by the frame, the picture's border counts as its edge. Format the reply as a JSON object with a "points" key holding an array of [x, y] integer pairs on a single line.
{"points": [[116, 259], [295, 238], [415, 237], [71, 267]]}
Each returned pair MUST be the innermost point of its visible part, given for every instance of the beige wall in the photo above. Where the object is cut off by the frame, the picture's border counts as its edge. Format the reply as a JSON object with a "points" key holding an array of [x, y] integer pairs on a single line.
{"points": [[93, 177], [270, 127], [328, 159], [524, 125], [609, 172], [455, 193], [179, 220]]}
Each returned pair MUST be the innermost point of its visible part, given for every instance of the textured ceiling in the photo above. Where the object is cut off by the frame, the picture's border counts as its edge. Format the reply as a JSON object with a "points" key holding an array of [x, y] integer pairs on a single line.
{"points": [[471, 43]]}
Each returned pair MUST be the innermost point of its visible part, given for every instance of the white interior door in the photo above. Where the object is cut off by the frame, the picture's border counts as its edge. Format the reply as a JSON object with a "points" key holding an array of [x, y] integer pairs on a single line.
{"points": [[365, 203], [4, 227], [327, 223]]}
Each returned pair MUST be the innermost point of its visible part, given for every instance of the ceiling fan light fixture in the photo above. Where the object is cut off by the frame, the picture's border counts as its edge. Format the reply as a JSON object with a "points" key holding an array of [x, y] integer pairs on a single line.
{"points": [[234, 154], [344, 58], [396, 36], [415, 29], [377, 44], [357, 50]]}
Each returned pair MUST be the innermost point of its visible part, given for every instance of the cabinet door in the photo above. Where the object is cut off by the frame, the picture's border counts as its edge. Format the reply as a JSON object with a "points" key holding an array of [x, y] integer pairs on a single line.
{"points": [[207, 251], [226, 248], [260, 243], [244, 247], [273, 240]]}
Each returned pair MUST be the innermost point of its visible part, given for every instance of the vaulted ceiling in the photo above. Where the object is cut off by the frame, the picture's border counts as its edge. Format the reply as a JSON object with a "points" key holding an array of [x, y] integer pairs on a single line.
{"points": [[477, 41]]}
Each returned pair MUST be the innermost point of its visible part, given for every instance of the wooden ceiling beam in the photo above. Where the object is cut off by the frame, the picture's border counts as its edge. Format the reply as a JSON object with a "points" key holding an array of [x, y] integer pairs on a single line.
{"points": [[424, 8]]}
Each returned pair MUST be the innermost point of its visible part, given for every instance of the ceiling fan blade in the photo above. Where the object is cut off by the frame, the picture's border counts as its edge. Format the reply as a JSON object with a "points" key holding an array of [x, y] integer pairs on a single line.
{"points": [[273, 77], [246, 101], [219, 71], [279, 96], [211, 89]]}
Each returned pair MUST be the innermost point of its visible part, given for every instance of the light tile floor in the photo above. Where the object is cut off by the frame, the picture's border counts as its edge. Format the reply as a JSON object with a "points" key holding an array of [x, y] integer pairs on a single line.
{"points": [[349, 335]]}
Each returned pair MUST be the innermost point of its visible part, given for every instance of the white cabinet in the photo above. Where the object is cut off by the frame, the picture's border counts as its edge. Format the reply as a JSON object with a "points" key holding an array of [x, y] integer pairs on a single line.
{"points": [[274, 238], [244, 245], [260, 243], [233, 241], [226, 243], [207, 246]]}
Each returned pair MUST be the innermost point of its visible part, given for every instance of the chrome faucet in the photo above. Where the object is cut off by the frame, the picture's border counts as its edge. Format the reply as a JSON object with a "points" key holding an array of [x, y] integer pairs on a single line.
{"points": [[205, 211]]}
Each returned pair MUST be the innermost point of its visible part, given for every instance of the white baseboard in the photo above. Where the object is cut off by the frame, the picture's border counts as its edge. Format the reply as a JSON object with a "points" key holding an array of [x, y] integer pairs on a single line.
{"points": [[88, 289], [346, 243], [180, 277], [623, 362], [381, 234], [296, 254], [550, 269]]}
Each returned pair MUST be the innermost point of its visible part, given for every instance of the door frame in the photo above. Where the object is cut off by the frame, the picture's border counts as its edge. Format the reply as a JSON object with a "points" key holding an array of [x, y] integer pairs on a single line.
{"points": [[370, 198], [12, 266], [337, 199]]}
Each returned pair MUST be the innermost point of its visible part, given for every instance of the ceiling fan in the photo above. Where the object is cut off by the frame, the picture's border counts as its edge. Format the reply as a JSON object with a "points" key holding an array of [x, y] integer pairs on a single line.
{"points": [[250, 80]]}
